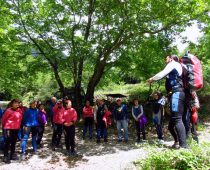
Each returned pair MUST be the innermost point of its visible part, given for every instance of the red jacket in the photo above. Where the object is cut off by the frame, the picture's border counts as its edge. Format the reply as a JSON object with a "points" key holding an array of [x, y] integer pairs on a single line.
{"points": [[70, 115], [11, 119], [88, 111], [58, 114]]}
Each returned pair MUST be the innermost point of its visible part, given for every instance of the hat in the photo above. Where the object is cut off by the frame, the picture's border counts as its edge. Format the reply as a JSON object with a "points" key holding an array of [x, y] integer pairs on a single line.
{"points": [[118, 99]]}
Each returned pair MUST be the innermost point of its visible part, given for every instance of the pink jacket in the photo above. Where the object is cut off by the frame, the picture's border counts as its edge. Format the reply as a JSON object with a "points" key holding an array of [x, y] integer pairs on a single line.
{"points": [[88, 111], [70, 115], [58, 114], [107, 119], [11, 119]]}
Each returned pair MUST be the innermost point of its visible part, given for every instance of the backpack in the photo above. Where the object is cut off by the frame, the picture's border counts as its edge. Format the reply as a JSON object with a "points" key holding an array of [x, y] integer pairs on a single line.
{"points": [[192, 72]]}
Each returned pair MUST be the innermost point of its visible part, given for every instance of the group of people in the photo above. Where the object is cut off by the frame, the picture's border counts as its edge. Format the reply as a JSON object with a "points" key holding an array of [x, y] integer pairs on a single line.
{"points": [[19, 122], [183, 102]]}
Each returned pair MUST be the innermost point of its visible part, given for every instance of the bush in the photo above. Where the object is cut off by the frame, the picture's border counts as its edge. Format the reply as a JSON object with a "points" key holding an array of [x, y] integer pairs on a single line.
{"points": [[195, 158]]}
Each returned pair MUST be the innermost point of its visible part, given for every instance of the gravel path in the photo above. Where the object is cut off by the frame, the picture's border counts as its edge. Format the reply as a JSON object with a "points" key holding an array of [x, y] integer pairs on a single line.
{"points": [[92, 156]]}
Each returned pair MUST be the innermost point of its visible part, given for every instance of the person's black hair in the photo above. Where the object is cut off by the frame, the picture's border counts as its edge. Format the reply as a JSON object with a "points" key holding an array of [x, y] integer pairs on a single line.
{"points": [[174, 57], [13, 101]]}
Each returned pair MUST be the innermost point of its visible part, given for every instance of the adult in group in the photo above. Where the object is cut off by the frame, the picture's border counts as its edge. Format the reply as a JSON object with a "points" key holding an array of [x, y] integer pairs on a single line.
{"points": [[120, 114], [30, 125], [88, 115], [174, 86], [58, 112], [11, 122], [100, 123], [69, 119]]}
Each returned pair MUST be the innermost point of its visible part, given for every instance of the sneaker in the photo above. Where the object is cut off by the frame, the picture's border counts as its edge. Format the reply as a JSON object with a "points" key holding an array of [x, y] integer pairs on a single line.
{"points": [[6, 160], [175, 145], [126, 140], [119, 140], [74, 154], [161, 141]]}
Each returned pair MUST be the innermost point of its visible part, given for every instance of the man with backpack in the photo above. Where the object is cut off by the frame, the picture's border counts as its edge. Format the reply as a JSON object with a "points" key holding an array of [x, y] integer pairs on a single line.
{"points": [[192, 80], [174, 85]]}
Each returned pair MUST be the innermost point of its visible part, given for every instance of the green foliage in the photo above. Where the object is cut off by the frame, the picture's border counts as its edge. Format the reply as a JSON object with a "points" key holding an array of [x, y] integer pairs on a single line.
{"points": [[195, 158]]}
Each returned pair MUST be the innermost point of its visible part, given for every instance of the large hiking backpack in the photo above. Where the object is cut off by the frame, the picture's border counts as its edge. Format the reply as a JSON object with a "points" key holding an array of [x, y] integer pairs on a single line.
{"points": [[192, 72]]}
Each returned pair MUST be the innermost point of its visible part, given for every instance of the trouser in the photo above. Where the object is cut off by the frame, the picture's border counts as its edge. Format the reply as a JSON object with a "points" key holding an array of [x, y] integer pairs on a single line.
{"points": [[139, 130], [10, 137], [194, 132], [26, 133], [159, 124], [51, 119], [20, 132], [101, 130], [122, 124], [57, 132], [176, 126], [88, 124], [186, 116], [69, 132], [41, 129]]}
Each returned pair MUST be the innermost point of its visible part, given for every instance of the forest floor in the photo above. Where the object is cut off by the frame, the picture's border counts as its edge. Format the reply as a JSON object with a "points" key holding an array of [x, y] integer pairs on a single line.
{"points": [[93, 156]]}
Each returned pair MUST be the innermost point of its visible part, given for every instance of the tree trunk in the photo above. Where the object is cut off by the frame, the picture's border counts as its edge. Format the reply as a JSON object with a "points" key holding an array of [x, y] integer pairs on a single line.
{"points": [[94, 80], [58, 79]]}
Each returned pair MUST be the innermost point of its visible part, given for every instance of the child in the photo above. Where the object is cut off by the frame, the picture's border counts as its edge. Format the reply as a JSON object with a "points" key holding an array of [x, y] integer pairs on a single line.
{"points": [[30, 125], [157, 106], [42, 122], [138, 115], [69, 119], [58, 112], [88, 119], [11, 122]]}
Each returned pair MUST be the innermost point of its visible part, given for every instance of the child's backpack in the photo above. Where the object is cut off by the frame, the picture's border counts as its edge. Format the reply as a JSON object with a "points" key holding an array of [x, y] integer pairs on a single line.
{"points": [[192, 72]]}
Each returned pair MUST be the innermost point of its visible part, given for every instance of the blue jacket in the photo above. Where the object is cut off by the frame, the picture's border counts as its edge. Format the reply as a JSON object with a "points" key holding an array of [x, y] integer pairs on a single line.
{"points": [[120, 112], [30, 117]]}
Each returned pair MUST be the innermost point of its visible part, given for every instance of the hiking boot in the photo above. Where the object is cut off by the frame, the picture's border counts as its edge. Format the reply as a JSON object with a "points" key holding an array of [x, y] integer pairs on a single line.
{"points": [[14, 157], [98, 141], [6, 160], [105, 140]]}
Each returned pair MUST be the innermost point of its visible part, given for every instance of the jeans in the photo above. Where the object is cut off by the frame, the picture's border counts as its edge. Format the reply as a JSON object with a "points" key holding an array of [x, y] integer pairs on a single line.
{"points": [[88, 124], [101, 130], [26, 133], [122, 124]]}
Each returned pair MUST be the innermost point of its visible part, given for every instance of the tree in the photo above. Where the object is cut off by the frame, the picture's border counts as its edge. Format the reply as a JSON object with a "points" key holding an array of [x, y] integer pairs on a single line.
{"points": [[70, 35]]}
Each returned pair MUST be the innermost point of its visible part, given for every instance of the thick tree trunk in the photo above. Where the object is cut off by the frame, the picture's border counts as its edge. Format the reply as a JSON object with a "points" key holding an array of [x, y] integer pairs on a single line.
{"points": [[94, 80]]}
